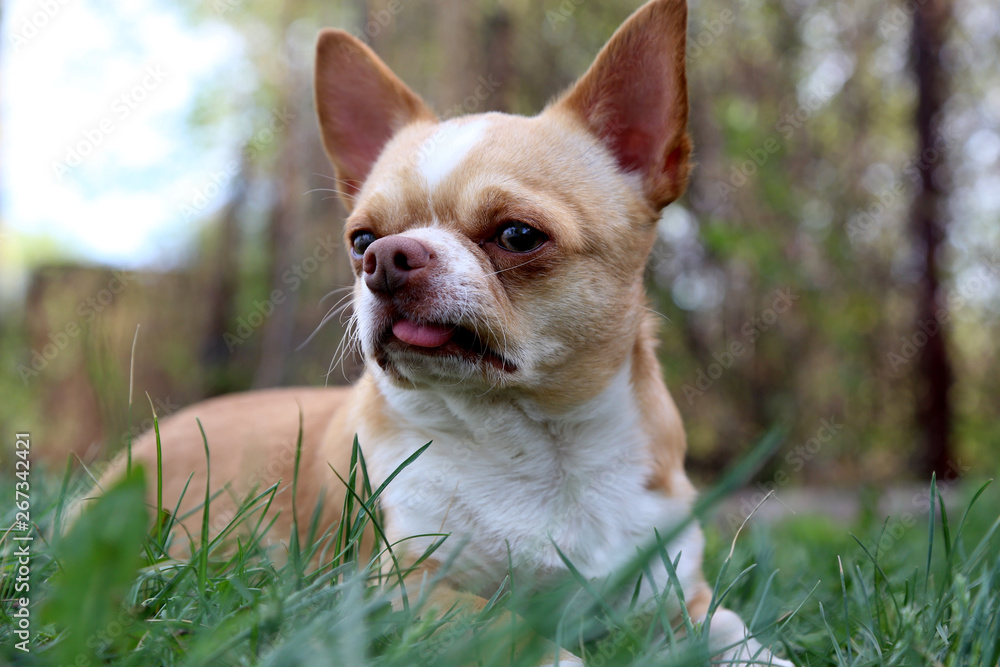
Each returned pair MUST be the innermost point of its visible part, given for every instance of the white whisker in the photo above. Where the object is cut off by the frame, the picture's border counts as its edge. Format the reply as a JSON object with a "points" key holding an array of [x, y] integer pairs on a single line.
{"points": [[516, 266]]}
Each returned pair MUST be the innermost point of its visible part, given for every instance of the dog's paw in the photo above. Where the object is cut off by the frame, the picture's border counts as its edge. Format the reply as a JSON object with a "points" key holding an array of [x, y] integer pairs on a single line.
{"points": [[566, 659], [750, 652], [728, 630]]}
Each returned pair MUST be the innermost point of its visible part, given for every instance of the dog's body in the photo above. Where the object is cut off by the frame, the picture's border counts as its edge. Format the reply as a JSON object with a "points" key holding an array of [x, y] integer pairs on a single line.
{"points": [[499, 305]]}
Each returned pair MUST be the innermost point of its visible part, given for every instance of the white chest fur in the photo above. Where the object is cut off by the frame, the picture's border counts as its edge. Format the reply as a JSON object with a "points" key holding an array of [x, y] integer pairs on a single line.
{"points": [[509, 486]]}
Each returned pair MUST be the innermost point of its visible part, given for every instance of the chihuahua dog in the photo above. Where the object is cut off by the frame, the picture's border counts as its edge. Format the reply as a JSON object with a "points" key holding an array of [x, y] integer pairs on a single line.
{"points": [[500, 309]]}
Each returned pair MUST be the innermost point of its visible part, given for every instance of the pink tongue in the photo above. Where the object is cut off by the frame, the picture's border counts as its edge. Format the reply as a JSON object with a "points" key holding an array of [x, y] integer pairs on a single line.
{"points": [[422, 335]]}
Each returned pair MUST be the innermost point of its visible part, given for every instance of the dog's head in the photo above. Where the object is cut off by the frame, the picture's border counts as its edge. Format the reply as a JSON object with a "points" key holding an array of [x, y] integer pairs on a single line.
{"points": [[499, 251]]}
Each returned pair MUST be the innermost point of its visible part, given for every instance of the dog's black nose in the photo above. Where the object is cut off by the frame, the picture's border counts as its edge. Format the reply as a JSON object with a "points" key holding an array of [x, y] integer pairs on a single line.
{"points": [[392, 262]]}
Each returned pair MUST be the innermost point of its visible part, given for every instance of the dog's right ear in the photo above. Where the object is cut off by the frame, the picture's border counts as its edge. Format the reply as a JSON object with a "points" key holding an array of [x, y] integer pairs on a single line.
{"points": [[361, 105]]}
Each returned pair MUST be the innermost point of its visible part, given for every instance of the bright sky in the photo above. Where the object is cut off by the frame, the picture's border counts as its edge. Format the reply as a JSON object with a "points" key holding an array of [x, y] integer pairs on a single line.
{"points": [[95, 152]]}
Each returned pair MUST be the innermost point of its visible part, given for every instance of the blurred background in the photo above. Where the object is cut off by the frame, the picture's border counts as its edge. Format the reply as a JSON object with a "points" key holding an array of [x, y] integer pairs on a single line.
{"points": [[834, 266]]}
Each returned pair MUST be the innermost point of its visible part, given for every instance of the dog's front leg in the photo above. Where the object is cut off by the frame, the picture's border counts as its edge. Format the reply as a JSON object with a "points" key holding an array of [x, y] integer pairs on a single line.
{"points": [[442, 599], [729, 635]]}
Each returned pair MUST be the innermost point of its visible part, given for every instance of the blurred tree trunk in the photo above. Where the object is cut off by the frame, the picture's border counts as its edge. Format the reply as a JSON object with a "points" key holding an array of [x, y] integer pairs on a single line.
{"points": [[284, 229], [499, 59], [285, 219], [221, 287], [458, 40], [935, 376], [2, 14]]}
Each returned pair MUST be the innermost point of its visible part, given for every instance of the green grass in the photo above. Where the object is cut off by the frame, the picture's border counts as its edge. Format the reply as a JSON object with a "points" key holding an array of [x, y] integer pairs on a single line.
{"points": [[107, 593]]}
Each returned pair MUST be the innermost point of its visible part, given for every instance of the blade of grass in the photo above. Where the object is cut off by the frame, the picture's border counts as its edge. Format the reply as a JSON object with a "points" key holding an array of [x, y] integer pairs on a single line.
{"points": [[945, 533], [378, 528], [159, 468], [294, 545], [993, 636], [203, 552], [717, 599], [965, 516], [931, 511], [343, 535], [847, 619], [885, 579], [763, 596], [876, 626], [731, 480], [585, 583], [131, 378], [833, 635], [370, 501], [675, 585], [984, 544], [244, 510], [63, 488]]}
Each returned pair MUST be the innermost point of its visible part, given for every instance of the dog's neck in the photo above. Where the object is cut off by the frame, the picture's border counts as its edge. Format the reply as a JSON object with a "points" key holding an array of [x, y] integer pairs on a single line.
{"points": [[494, 456], [630, 410], [475, 414]]}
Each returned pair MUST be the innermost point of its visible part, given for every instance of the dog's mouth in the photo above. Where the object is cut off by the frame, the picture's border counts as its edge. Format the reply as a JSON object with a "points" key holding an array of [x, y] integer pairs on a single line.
{"points": [[440, 340]]}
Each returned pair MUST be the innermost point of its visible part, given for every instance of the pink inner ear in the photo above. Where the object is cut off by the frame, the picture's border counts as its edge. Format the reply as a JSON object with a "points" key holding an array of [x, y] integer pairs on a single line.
{"points": [[361, 105], [631, 148], [635, 104], [366, 124], [634, 98], [363, 138]]}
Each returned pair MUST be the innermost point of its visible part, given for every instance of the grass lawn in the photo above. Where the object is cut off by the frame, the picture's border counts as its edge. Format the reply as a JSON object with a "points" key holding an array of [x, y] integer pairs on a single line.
{"points": [[917, 589]]}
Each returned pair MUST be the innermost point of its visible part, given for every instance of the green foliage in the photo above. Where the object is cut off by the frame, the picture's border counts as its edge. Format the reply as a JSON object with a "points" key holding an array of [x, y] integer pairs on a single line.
{"points": [[881, 592], [893, 591], [98, 562]]}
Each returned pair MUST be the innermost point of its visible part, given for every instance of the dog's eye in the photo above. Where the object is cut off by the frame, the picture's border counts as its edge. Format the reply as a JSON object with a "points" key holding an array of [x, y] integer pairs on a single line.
{"points": [[360, 242], [520, 237]]}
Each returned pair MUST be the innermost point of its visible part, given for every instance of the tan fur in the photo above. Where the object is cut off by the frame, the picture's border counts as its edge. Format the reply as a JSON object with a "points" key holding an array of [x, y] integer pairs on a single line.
{"points": [[591, 171], [252, 439]]}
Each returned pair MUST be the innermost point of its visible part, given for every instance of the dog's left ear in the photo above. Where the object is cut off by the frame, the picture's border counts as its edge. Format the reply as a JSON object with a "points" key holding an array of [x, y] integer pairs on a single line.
{"points": [[361, 106], [634, 98]]}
